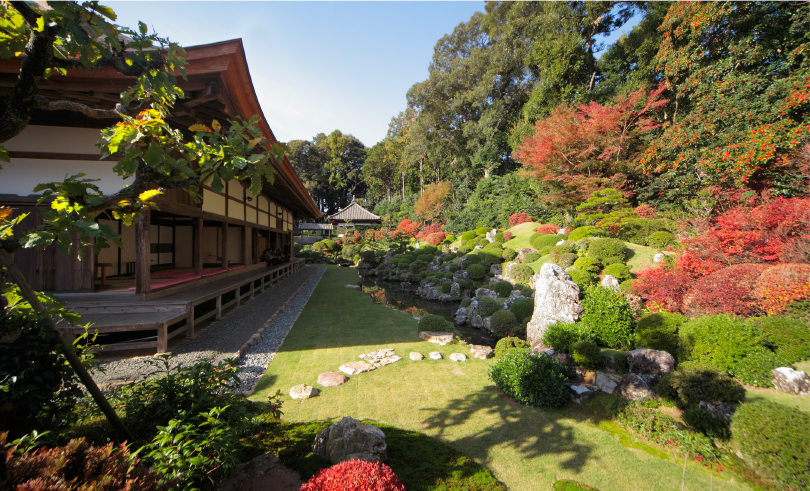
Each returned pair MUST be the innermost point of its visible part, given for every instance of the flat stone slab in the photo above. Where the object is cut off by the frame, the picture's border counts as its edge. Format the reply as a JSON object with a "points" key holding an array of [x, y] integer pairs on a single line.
{"points": [[355, 287], [381, 358], [332, 379], [303, 391], [435, 355], [458, 357], [417, 356], [355, 367], [481, 352], [438, 337]]}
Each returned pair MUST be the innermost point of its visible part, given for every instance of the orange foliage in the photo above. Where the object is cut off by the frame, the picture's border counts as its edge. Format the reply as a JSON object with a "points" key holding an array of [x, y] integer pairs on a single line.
{"points": [[430, 205], [782, 284]]}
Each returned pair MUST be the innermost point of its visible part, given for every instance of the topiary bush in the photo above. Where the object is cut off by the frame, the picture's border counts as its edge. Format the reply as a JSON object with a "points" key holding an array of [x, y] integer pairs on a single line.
{"points": [[567, 260], [661, 240], [607, 251], [580, 233], [522, 308], [352, 475], [543, 243], [521, 273], [465, 302], [446, 286], [530, 257], [481, 231], [588, 264], [583, 279], [659, 331], [508, 254], [502, 288], [694, 382], [487, 306], [773, 441], [537, 380], [610, 317], [504, 323], [468, 236], [619, 271], [558, 250], [704, 421], [509, 343], [432, 322], [471, 259], [562, 336], [587, 354], [477, 272], [499, 238], [789, 337]]}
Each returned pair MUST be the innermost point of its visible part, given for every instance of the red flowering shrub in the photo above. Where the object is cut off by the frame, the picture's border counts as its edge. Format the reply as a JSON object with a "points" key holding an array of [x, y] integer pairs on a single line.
{"points": [[645, 211], [663, 287], [380, 234], [507, 236], [355, 475], [729, 290], [518, 218], [408, 227], [435, 238], [548, 228], [782, 284], [432, 228]]}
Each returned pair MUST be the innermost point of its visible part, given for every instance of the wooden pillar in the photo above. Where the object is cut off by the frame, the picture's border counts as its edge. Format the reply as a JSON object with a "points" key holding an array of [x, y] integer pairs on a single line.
{"points": [[224, 229], [142, 250], [198, 241], [292, 246], [219, 307], [190, 323], [246, 246], [163, 338]]}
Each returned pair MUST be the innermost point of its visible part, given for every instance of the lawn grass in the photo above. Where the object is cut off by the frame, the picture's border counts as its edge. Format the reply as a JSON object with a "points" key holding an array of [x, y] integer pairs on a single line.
{"points": [[525, 447], [641, 258], [521, 233]]}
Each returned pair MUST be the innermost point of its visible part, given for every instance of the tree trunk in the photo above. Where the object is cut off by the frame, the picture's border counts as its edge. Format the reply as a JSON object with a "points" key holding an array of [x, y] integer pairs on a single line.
{"points": [[421, 176]]}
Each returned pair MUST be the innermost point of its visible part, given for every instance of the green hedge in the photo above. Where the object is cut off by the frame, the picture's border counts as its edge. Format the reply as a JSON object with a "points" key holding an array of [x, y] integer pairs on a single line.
{"points": [[789, 337], [537, 380], [503, 323], [661, 240], [543, 243], [580, 233], [610, 317], [502, 288], [477, 272], [432, 323], [530, 257], [508, 254], [607, 251], [619, 271], [562, 336], [659, 331], [694, 382], [487, 306], [522, 308], [587, 354], [507, 344], [521, 273]]}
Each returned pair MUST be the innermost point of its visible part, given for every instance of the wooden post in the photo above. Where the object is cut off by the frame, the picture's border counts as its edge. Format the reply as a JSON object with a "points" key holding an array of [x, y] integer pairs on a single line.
{"points": [[143, 280], [190, 323], [292, 246], [198, 239], [225, 245], [245, 246], [252, 289], [163, 338], [219, 307], [238, 296]]}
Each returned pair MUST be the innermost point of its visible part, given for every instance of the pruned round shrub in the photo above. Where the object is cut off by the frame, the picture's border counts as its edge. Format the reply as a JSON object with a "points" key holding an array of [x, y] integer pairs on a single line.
{"points": [[694, 382], [587, 354], [566, 260], [789, 337], [583, 279], [508, 254], [426, 258], [522, 308], [661, 240], [435, 238], [503, 323], [369, 256], [477, 272], [525, 290], [619, 271], [530, 257], [548, 228], [468, 236], [471, 259], [462, 283], [580, 233], [543, 243], [487, 306], [471, 244], [704, 421], [507, 344], [432, 322], [499, 238], [481, 231], [465, 302], [558, 250], [773, 440], [537, 380], [454, 268], [502, 288], [352, 475], [780, 285], [507, 236], [608, 314], [562, 336], [463, 250], [446, 286], [607, 251], [729, 290], [659, 331], [521, 273], [588, 264]]}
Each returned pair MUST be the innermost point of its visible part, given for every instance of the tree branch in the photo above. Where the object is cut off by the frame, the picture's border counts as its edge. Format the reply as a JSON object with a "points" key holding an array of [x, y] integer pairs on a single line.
{"points": [[46, 105], [29, 14], [117, 62]]}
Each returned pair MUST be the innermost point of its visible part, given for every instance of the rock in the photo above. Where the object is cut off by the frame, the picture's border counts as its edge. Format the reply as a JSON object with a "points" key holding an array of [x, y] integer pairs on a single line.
{"points": [[496, 269], [355, 367], [488, 324], [561, 357], [363, 264], [556, 299], [719, 410], [561, 231], [263, 472], [483, 292], [635, 388], [417, 356], [389, 255], [607, 382], [435, 355], [533, 281], [522, 254], [461, 275], [445, 298], [560, 242], [381, 358], [331, 379], [481, 352], [458, 357], [455, 290], [460, 317], [611, 282], [507, 272], [356, 287], [478, 247], [660, 257], [791, 381], [405, 286], [427, 291], [477, 321], [515, 295], [438, 337], [636, 303], [303, 391], [579, 393], [650, 364], [349, 439]]}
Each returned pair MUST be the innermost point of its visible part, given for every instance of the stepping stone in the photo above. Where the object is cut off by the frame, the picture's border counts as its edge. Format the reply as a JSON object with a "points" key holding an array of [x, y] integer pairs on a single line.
{"points": [[435, 355], [303, 391], [438, 337], [355, 367], [481, 352], [332, 379], [381, 358], [417, 356], [356, 287], [458, 357]]}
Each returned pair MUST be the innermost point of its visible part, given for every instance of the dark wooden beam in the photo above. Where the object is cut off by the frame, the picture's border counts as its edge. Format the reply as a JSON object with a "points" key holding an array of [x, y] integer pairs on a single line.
{"points": [[224, 228], [142, 252], [198, 240]]}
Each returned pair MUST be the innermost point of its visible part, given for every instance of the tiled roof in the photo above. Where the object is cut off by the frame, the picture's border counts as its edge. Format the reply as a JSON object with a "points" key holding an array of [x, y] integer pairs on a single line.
{"points": [[314, 226], [355, 213]]}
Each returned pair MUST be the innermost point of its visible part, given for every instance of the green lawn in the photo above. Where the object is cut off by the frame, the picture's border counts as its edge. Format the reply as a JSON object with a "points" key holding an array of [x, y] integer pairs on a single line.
{"points": [[527, 448]]}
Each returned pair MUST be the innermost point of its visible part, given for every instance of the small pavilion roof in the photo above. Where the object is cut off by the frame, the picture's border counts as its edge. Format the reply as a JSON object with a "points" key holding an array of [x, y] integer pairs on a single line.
{"points": [[355, 213], [314, 226]]}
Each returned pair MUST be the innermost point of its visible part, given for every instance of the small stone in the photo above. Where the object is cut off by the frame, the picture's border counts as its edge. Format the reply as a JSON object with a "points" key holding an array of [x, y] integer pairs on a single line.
{"points": [[607, 382], [561, 242], [658, 258], [579, 393], [332, 379], [349, 439], [303, 391], [610, 282], [481, 352], [355, 287], [381, 357], [437, 337], [635, 388], [788, 380], [417, 356], [458, 357], [355, 367], [435, 355], [650, 364]]}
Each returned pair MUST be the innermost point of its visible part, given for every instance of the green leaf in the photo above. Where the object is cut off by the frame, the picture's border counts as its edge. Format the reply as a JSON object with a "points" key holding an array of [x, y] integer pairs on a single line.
{"points": [[239, 162], [216, 184], [153, 155], [142, 27]]}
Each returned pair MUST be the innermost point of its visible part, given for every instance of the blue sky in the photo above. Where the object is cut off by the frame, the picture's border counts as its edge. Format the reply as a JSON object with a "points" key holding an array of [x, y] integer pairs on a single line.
{"points": [[317, 66]]}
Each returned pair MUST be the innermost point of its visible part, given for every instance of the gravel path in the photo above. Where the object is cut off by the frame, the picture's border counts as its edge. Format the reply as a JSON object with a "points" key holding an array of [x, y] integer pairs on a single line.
{"points": [[227, 337]]}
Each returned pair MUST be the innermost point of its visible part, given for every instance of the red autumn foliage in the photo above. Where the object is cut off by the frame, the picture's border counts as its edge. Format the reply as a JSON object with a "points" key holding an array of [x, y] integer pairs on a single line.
{"points": [[663, 287], [782, 284], [355, 475], [645, 211], [507, 236], [408, 227], [548, 228], [432, 228], [518, 218], [380, 234], [729, 290], [435, 238]]}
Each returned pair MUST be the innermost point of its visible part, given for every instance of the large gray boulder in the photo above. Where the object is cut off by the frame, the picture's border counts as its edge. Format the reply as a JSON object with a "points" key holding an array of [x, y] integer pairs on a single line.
{"points": [[791, 381], [610, 282], [427, 291], [507, 272], [485, 292], [556, 299], [349, 439], [521, 257], [650, 364], [460, 317], [635, 388]]}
